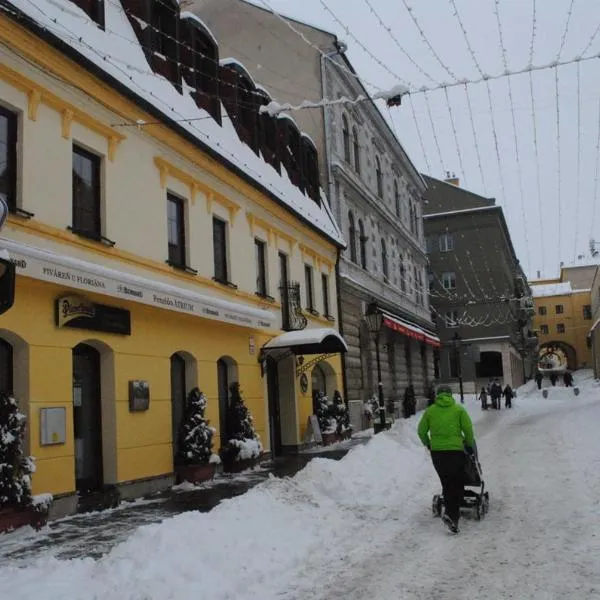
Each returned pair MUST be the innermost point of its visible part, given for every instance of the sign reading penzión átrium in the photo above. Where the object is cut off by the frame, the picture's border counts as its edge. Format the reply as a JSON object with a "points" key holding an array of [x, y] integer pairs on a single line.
{"points": [[43, 265]]}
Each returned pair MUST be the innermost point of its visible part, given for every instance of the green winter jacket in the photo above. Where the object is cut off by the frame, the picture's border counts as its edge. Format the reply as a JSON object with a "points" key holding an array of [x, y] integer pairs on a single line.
{"points": [[446, 425]]}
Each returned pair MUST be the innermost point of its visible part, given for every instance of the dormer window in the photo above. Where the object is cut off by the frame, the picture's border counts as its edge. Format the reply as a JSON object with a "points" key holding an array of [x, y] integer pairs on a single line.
{"points": [[94, 9], [200, 64], [165, 40], [290, 150], [239, 97], [310, 169], [267, 130]]}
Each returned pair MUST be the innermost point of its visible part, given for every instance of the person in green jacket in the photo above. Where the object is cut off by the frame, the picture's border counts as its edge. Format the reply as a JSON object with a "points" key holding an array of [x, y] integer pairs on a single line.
{"points": [[446, 430]]}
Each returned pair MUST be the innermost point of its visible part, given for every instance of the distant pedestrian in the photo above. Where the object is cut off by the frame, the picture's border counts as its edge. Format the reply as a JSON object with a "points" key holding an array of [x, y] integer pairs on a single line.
{"points": [[431, 394], [538, 379], [568, 379], [508, 396], [496, 393], [553, 378], [409, 404], [483, 398]]}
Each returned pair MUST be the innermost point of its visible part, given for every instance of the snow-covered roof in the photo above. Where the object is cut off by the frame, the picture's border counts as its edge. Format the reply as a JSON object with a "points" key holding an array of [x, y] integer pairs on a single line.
{"points": [[115, 50], [447, 213], [551, 289]]}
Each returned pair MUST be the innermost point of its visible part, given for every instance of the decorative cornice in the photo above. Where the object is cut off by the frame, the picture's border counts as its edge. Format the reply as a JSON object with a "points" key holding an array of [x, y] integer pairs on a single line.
{"points": [[37, 94], [167, 169]]}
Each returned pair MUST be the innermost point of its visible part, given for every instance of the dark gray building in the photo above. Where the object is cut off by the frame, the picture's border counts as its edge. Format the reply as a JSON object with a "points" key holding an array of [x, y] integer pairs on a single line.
{"points": [[480, 297]]}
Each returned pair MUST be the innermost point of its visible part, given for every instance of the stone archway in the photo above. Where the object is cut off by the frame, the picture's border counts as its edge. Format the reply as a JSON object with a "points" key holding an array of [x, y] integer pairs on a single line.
{"points": [[557, 356]]}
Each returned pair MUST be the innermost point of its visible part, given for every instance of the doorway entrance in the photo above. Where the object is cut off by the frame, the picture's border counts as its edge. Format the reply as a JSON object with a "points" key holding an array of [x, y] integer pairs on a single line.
{"points": [[87, 419], [223, 387], [274, 407], [178, 394]]}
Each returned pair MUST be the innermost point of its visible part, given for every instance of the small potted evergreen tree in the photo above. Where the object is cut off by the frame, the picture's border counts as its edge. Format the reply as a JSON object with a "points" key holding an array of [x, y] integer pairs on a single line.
{"points": [[244, 448], [343, 427], [17, 506], [195, 461], [327, 423]]}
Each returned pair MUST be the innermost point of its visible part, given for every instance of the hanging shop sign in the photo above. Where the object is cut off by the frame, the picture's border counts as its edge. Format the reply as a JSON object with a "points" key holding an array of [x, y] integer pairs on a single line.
{"points": [[79, 313], [89, 277]]}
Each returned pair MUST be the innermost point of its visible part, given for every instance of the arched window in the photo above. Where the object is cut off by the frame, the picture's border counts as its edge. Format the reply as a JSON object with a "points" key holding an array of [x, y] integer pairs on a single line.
{"points": [[200, 64], [363, 244], [346, 136], [310, 169], [356, 146], [6, 367], [384, 259], [397, 198], [352, 236], [402, 275], [412, 217], [379, 177], [164, 20]]}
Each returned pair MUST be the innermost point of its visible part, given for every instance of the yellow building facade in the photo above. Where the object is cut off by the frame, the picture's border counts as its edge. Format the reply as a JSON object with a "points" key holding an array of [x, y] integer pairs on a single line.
{"points": [[563, 316], [111, 322]]}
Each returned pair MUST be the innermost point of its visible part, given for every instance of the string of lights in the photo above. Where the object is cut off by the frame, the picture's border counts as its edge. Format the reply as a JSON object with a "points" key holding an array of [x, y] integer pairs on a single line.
{"points": [[558, 170], [419, 135], [566, 31], [475, 142], [390, 32], [578, 196], [433, 130], [453, 125]]}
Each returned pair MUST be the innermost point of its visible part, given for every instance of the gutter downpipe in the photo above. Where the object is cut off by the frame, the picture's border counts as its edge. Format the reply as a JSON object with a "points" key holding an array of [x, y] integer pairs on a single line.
{"points": [[340, 48]]}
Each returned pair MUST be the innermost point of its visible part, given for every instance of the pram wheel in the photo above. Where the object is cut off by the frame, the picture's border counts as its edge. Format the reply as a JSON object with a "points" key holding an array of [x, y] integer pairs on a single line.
{"points": [[479, 511], [436, 506], [486, 502]]}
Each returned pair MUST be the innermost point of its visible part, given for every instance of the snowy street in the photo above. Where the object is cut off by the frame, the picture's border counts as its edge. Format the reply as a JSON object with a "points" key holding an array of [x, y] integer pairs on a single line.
{"points": [[362, 527]]}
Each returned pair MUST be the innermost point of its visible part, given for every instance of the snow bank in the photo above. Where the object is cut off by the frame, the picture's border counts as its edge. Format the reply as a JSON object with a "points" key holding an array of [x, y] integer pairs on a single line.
{"points": [[243, 544]]}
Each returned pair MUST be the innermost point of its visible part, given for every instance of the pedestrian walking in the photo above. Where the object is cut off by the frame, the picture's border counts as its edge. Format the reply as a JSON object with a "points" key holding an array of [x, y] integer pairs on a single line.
{"points": [[553, 378], [568, 379], [446, 430], [409, 404], [483, 396], [538, 379], [508, 396]]}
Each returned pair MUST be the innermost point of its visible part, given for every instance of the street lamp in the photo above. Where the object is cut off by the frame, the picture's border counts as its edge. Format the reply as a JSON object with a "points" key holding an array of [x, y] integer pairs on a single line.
{"points": [[374, 319], [457, 343]]}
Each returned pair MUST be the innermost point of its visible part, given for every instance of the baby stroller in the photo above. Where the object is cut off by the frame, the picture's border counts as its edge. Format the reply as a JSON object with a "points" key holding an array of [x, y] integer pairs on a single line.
{"points": [[476, 501]]}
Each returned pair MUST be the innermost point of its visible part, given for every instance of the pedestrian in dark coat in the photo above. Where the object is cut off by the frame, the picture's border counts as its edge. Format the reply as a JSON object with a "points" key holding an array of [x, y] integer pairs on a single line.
{"points": [[496, 393], [553, 379], [508, 395], [483, 398], [568, 379], [538, 379], [409, 405]]}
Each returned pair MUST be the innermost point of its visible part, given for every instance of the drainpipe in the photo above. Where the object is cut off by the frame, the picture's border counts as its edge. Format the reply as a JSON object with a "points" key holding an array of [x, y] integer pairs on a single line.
{"points": [[340, 48]]}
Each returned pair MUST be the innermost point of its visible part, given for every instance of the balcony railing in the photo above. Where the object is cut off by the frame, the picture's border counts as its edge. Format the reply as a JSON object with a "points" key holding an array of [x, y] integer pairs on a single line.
{"points": [[292, 318]]}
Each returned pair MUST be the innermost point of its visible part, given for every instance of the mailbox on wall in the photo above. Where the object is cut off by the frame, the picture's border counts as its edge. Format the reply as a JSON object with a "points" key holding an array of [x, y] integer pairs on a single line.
{"points": [[53, 425]]}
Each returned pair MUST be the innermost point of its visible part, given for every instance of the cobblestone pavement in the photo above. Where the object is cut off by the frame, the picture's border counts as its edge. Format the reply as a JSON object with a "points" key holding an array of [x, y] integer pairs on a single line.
{"points": [[94, 534]]}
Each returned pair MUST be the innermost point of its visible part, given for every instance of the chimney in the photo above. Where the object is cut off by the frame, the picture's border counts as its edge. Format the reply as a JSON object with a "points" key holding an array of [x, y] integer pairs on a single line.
{"points": [[452, 179], [539, 274]]}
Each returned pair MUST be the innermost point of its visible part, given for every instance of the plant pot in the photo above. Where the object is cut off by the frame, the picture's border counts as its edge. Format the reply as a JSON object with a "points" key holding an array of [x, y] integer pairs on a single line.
{"points": [[195, 473], [329, 438], [13, 517]]}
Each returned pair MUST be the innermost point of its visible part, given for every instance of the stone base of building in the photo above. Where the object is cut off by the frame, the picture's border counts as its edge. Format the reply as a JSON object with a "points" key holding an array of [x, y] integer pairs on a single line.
{"points": [[130, 490]]}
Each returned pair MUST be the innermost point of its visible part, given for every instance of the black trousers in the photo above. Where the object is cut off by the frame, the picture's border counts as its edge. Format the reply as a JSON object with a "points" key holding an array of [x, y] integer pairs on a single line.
{"points": [[450, 466]]}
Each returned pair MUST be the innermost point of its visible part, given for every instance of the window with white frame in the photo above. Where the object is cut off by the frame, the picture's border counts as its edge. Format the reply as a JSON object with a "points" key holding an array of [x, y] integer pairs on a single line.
{"points": [[449, 280], [446, 242]]}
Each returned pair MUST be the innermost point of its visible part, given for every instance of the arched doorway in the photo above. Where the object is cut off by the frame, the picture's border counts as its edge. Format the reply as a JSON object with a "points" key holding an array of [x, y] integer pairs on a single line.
{"points": [[226, 375], [324, 380], [6, 367], [87, 418]]}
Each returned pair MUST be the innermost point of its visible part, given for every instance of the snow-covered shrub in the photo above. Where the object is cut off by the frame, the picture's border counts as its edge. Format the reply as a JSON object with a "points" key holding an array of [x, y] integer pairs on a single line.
{"points": [[15, 467], [341, 414], [324, 412], [196, 435], [371, 407], [244, 443]]}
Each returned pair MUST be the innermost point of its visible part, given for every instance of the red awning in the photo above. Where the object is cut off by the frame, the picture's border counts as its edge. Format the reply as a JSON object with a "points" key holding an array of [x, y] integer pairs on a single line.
{"points": [[410, 330]]}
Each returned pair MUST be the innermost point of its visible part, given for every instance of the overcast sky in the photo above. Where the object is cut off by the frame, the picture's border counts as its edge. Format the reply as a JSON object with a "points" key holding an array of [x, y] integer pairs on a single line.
{"points": [[546, 227]]}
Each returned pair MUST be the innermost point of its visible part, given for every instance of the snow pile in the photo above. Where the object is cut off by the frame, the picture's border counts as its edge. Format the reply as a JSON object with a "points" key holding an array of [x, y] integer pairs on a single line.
{"points": [[247, 448], [361, 527]]}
